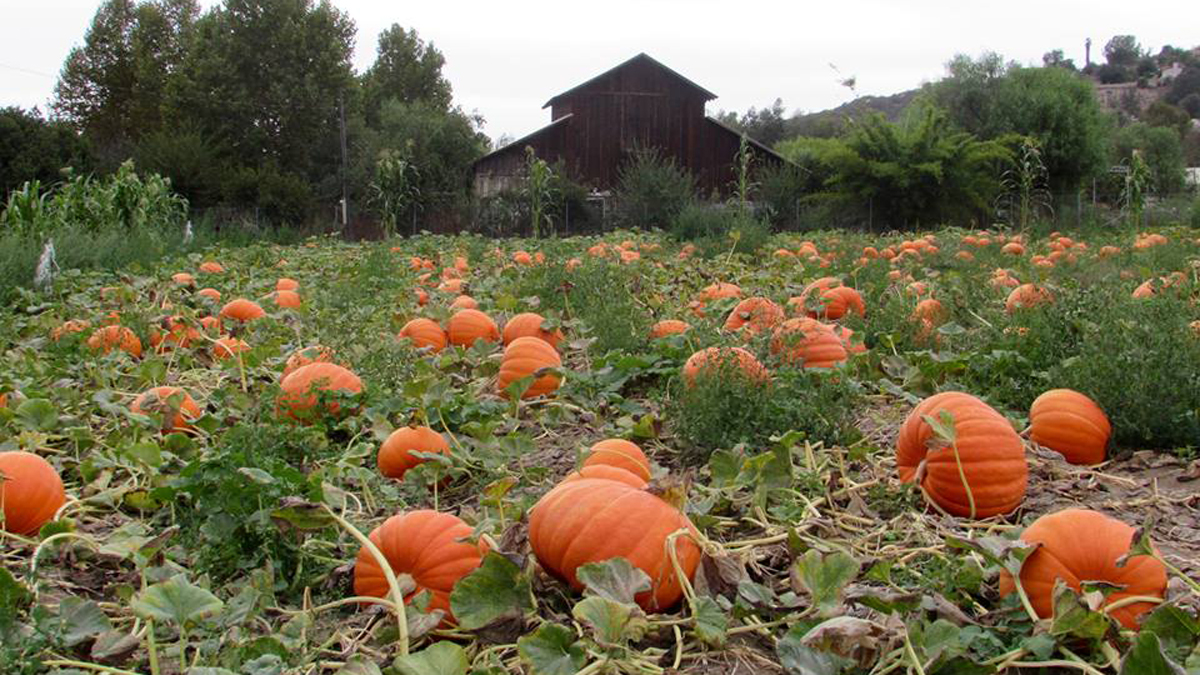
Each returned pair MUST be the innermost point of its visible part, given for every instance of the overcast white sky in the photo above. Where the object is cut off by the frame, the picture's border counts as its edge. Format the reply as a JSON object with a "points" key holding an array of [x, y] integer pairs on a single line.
{"points": [[505, 59]]}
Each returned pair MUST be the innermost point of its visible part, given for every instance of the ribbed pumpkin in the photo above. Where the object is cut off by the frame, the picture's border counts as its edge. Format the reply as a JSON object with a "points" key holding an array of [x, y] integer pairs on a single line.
{"points": [[1068, 422], [469, 325], [429, 546], [424, 334], [395, 454], [607, 472], [304, 356], [592, 520], [755, 315], [298, 394], [464, 302], [286, 299], [620, 453], [827, 298], [183, 278], [669, 327], [1026, 296], [162, 401], [177, 334], [113, 337], [211, 267], [31, 492], [1080, 545], [209, 293], [523, 357], [530, 324], [712, 358], [286, 284], [228, 348], [242, 309], [713, 292], [929, 310], [808, 342], [522, 258], [991, 454]]}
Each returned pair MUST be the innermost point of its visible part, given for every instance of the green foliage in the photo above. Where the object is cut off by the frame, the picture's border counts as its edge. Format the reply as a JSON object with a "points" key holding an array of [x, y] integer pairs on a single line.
{"points": [[539, 178], [405, 69], [35, 149], [1122, 50], [651, 190], [1026, 193], [720, 229], [394, 190], [1161, 150]]}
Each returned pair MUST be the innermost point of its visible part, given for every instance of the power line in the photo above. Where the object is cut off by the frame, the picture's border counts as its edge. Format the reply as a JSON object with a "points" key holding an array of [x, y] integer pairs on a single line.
{"points": [[26, 70]]}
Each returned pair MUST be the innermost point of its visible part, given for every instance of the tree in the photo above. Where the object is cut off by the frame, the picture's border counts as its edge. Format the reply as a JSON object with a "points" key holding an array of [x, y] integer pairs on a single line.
{"points": [[1163, 114], [1122, 50], [767, 126], [1184, 85], [33, 148], [1056, 59], [1111, 73], [1160, 148], [970, 91], [405, 69]]}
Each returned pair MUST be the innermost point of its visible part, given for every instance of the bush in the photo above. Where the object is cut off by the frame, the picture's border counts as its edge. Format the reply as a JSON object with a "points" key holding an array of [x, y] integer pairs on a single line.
{"points": [[720, 228], [651, 190]]}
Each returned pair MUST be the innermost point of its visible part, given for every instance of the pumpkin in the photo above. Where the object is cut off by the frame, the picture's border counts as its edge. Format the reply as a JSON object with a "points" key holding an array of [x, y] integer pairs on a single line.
{"points": [[523, 357], [429, 546], [424, 334], [530, 324], [808, 342], [469, 325], [113, 337], [522, 258], [174, 405], [242, 309], [1080, 545], [395, 454], [755, 315], [668, 327], [183, 278], [607, 472], [853, 345], [298, 395], [228, 347], [286, 284], [827, 298], [210, 325], [451, 286], [464, 302], [1026, 296], [177, 333], [31, 492], [210, 294], [705, 360], [590, 520], [621, 454], [422, 297], [929, 310], [1013, 248], [714, 292], [68, 327], [990, 453], [286, 299], [211, 267], [1069, 422], [304, 356]]}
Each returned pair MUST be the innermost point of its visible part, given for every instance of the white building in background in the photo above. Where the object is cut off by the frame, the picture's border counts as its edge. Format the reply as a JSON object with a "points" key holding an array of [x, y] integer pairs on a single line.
{"points": [[1192, 176]]}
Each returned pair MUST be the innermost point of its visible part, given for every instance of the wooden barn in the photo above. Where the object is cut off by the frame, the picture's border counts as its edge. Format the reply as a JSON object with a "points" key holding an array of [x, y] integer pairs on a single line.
{"points": [[639, 103]]}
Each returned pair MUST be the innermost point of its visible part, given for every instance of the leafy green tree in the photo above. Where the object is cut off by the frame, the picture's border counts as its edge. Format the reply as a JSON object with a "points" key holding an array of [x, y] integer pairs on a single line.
{"points": [[1163, 114], [1184, 85], [1161, 150], [767, 126], [33, 148], [920, 171], [406, 69], [1056, 59], [1122, 50]]}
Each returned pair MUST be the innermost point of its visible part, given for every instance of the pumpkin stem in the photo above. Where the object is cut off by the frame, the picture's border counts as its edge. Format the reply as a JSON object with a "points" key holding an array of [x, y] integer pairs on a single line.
{"points": [[963, 476]]}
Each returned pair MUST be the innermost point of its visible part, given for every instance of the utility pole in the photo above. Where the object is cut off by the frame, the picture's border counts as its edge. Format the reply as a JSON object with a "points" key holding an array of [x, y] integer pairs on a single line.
{"points": [[345, 194]]}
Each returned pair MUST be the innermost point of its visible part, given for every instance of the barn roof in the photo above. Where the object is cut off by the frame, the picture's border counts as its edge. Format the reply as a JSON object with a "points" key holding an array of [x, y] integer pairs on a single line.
{"points": [[708, 95], [754, 143], [526, 138]]}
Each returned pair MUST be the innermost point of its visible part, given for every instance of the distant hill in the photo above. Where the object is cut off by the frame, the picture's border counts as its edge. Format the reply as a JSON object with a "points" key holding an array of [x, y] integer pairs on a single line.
{"points": [[828, 122]]}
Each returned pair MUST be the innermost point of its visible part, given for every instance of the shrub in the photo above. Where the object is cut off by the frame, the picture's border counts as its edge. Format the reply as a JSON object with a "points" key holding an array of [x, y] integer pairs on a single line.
{"points": [[717, 229], [651, 190]]}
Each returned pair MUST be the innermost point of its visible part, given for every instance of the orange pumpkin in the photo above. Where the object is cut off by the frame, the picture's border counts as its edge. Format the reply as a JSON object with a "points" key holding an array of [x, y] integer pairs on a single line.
{"points": [[299, 388], [242, 309], [210, 294], [177, 333], [1068, 422], [113, 337], [464, 302], [469, 325], [174, 405], [606, 472], [669, 327], [395, 454], [808, 342], [591, 520], [286, 284], [211, 267], [304, 356], [714, 292], [183, 279], [286, 299], [68, 327], [524, 357], [621, 454], [1026, 296], [706, 360], [228, 347], [424, 334], [429, 546], [1080, 545], [31, 492], [755, 315], [988, 453], [522, 258], [530, 324]]}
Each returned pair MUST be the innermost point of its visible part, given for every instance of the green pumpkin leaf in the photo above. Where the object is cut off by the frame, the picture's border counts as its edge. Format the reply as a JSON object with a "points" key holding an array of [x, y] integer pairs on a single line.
{"points": [[798, 659], [1177, 630], [359, 665], [616, 579], [552, 650], [80, 620], [13, 595], [711, 621], [824, 577], [1073, 619], [440, 658], [498, 589], [115, 645], [37, 414], [177, 601], [1146, 657], [1009, 554], [267, 664], [612, 623]]}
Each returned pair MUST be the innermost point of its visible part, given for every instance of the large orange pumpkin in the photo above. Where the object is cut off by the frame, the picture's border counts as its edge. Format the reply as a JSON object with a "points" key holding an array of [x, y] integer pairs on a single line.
{"points": [[286, 299], [469, 325], [1080, 545], [429, 546], [286, 284], [162, 401], [606, 472], [620, 453], [591, 520], [304, 356], [242, 309], [228, 348], [808, 342], [31, 492], [523, 357], [1070, 423], [113, 337], [706, 360], [669, 327], [424, 333], [530, 324], [755, 315], [1026, 296], [989, 452], [395, 454], [827, 298], [298, 395], [713, 292]]}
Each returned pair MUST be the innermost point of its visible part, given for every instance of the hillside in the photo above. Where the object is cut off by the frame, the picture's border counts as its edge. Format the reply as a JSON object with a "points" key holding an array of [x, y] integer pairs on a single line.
{"points": [[827, 122]]}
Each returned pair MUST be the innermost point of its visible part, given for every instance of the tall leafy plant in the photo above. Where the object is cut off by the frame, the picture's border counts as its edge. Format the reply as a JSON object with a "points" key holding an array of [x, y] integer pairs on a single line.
{"points": [[1025, 185], [395, 188], [538, 189]]}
